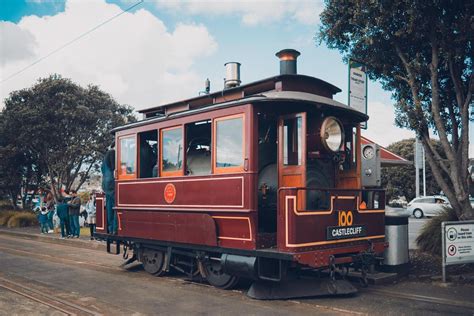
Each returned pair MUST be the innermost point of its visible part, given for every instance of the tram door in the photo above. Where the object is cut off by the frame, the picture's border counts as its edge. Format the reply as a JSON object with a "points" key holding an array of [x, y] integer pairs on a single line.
{"points": [[292, 153]]}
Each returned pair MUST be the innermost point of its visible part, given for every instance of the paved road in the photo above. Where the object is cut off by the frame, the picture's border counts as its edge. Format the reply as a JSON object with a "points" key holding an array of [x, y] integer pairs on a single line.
{"points": [[90, 282]]}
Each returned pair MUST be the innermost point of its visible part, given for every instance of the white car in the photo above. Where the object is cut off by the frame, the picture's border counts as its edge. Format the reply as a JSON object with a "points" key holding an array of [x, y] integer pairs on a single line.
{"points": [[427, 205]]}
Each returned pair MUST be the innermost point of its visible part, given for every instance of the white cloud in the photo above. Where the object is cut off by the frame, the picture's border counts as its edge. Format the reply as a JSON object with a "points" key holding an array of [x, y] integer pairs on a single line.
{"points": [[251, 12], [381, 125], [134, 57], [16, 43]]}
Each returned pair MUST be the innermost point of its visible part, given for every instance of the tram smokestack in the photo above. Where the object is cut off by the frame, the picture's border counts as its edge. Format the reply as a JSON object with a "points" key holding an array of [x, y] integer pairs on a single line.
{"points": [[288, 61], [232, 75]]}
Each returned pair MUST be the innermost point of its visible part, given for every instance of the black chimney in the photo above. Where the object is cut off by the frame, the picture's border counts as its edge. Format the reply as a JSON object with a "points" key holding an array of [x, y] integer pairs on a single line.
{"points": [[288, 61]]}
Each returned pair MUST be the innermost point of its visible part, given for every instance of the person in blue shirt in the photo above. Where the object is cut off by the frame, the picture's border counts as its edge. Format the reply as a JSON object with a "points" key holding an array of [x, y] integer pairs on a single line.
{"points": [[43, 220]]}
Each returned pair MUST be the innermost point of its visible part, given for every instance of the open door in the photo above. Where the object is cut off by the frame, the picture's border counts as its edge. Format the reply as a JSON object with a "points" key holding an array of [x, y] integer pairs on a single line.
{"points": [[292, 153]]}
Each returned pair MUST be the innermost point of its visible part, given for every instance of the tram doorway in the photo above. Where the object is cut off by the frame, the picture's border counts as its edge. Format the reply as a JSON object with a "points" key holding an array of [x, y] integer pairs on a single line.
{"points": [[282, 163], [291, 153]]}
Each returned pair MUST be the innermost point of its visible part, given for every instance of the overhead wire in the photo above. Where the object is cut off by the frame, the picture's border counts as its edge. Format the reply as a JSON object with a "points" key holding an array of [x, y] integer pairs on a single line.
{"points": [[71, 42]]}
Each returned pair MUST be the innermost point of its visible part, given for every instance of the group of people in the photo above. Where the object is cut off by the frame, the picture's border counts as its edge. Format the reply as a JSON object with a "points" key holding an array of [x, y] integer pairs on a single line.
{"points": [[68, 207], [68, 210]]}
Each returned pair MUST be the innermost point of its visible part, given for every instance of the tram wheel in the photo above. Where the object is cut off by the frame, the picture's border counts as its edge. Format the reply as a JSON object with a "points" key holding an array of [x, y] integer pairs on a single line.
{"points": [[216, 277], [153, 261]]}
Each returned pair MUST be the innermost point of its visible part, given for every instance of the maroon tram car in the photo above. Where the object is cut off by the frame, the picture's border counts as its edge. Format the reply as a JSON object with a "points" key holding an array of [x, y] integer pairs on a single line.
{"points": [[257, 181]]}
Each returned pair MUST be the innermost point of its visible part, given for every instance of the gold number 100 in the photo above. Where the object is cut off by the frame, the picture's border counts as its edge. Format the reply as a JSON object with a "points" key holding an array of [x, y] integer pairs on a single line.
{"points": [[345, 218]]}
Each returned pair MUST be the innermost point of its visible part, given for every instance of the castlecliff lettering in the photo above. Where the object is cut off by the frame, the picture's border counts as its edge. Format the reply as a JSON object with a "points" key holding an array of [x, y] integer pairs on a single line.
{"points": [[347, 231], [338, 232]]}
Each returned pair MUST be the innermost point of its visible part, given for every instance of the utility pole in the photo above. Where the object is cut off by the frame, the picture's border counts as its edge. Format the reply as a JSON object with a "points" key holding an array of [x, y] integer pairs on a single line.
{"points": [[417, 167], [424, 172]]}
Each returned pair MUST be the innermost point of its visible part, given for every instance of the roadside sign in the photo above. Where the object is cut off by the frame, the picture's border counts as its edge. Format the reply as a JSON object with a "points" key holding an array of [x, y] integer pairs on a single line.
{"points": [[457, 243], [358, 88]]}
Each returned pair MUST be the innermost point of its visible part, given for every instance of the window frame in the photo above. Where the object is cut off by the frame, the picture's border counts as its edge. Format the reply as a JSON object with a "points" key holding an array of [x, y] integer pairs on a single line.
{"points": [[233, 169], [121, 176], [179, 172]]}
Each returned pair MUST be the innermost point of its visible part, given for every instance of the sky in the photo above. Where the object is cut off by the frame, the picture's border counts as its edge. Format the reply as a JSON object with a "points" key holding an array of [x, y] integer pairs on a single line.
{"points": [[162, 51]]}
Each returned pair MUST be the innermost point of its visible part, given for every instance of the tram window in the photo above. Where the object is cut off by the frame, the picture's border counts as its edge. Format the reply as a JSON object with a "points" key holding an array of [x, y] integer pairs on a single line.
{"points": [[198, 150], [229, 138], [292, 141], [172, 151], [148, 154], [349, 148], [127, 157]]}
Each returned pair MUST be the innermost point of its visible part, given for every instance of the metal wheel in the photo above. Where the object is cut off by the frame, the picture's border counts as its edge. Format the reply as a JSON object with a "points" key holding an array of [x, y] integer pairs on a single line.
{"points": [[216, 277], [153, 261], [418, 213]]}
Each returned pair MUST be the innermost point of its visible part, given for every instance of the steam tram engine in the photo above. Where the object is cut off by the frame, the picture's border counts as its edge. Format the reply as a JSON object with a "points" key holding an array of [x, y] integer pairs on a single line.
{"points": [[260, 181]]}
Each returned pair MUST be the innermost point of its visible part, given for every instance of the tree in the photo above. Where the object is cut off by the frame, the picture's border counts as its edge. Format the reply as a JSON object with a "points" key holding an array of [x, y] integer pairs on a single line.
{"points": [[423, 52], [64, 126], [400, 180]]}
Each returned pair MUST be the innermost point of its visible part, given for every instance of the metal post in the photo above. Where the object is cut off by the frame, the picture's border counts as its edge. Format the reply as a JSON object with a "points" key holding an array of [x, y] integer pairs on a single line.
{"points": [[424, 172], [417, 170], [443, 252]]}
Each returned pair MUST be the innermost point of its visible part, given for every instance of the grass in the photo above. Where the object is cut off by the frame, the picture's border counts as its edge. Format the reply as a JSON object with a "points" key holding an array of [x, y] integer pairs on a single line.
{"points": [[85, 231], [429, 239]]}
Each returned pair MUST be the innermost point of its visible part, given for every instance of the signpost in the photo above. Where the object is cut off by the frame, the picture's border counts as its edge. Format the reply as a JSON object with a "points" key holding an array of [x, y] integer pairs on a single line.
{"points": [[358, 88], [457, 243]]}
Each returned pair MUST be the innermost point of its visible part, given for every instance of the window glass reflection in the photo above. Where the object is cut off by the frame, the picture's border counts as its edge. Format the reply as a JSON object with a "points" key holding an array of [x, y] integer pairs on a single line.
{"points": [[172, 157], [127, 156], [229, 143], [292, 141]]}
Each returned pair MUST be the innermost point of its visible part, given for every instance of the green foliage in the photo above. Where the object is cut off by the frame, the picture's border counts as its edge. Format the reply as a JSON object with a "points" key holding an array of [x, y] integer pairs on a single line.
{"points": [[421, 51], [84, 196], [22, 219], [400, 180], [59, 130], [429, 239]]}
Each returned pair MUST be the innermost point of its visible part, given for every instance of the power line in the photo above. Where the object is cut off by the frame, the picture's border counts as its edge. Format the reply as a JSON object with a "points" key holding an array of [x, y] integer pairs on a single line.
{"points": [[71, 41]]}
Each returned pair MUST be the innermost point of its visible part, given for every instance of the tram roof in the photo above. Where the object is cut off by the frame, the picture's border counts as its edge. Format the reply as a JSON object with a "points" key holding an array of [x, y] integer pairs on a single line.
{"points": [[248, 89], [286, 88]]}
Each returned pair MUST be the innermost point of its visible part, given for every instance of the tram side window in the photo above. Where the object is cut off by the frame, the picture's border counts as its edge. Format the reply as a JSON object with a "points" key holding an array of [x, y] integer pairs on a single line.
{"points": [[127, 157], [292, 141], [229, 137], [198, 150], [148, 154], [172, 151]]}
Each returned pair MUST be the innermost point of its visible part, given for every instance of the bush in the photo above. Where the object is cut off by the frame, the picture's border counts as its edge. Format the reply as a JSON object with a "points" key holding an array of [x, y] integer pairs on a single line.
{"points": [[429, 239], [22, 219], [5, 205], [5, 216]]}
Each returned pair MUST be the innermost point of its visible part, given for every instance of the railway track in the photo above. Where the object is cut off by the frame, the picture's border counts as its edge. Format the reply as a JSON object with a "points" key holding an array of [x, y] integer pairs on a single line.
{"points": [[57, 304], [69, 308], [423, 298]]}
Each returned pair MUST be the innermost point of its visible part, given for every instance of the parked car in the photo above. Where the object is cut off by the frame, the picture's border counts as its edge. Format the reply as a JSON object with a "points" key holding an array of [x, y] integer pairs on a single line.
{"points": [[399, 201], [427, 205]]}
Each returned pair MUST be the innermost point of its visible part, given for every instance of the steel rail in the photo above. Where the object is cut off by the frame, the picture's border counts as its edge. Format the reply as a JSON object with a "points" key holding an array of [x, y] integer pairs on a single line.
{"points": [[45, 299], [421, 298]]}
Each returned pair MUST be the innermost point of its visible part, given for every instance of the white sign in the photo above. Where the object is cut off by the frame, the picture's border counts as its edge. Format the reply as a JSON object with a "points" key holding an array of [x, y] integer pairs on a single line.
{"points": [[459, 242], [358, 88]]}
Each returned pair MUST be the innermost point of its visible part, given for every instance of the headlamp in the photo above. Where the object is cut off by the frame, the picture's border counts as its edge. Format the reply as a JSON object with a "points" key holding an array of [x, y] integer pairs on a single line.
{"points": [[332, 134]]}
